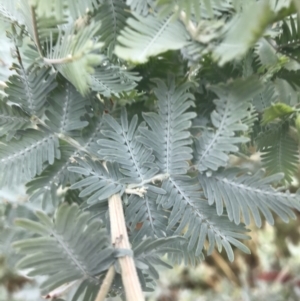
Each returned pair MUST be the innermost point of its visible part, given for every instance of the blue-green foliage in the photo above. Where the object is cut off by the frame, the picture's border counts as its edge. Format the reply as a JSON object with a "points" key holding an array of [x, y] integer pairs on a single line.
{"points": [[191, 154]]}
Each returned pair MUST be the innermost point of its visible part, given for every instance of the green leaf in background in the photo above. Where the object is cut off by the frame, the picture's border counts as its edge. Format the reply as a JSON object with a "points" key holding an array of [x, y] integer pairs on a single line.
{"points": [[149, 36], [289, 40], [67, 249], [75, 53], [279, 151], [277, 110], [297, 123], [243, 31], [297, 4]]}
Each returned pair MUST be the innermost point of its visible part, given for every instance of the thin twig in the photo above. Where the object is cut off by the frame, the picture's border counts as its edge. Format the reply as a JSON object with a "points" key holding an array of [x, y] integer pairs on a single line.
{"points": [[60, 291], [19, 57], [106, 284], [155, 179], [35, 31], [190, 26], [64, 60]]}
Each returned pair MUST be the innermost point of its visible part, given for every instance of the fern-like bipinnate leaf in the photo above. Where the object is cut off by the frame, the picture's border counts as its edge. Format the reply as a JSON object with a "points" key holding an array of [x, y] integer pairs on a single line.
{"points": [[243, 30], [30, 87], [98, 183], [192, 216], [145, 218], [67, 249], [12, 118], [171, 143], [23, 159], [169, 136], [112, 15], [289, 40], [244, 194], [74, 53], [137, 165], [148, 253], [109, 79], [53, 177], [193, 52], [265, 97], [279, 151], [144, 37], [214, 145], [8, 235], [120, 145], [90, 135], [67, 106], [39, 27]]}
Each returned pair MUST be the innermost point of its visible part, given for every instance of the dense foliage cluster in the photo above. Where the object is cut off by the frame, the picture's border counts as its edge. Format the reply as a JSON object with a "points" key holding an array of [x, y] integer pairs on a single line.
{"points": [[186, 109]]}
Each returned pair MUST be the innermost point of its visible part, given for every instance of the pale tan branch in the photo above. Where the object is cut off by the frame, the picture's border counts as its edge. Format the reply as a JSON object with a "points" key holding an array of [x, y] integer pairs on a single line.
{"points": [[119, 236], [106, 284]]}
